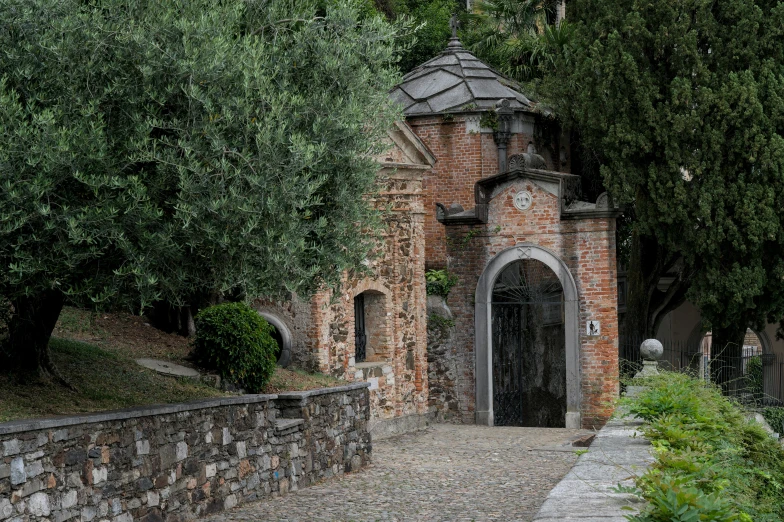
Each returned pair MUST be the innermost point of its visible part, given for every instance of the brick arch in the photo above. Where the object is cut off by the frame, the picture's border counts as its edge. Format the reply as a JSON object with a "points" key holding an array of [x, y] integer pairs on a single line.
{"points": [[483, 332], [378, 322], [369, 285]]}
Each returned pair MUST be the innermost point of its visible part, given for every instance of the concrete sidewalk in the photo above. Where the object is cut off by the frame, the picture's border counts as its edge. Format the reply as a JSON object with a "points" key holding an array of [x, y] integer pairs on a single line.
{"points": [[585, 494]]}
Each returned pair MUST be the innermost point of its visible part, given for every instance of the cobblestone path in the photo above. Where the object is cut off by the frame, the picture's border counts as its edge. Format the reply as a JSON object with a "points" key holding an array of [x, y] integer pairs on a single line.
{"points": [[446, 473]]}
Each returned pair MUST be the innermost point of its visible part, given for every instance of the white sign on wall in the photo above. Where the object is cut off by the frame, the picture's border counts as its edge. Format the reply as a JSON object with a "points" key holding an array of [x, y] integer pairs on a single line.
{"points": [[593, 328]]}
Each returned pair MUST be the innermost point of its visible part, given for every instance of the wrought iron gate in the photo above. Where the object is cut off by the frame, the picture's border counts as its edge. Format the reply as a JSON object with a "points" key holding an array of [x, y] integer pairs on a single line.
{"points": [[527, 306]]}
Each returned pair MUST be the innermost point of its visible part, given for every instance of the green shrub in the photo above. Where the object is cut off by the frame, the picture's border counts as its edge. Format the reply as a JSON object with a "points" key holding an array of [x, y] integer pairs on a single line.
{"points": [[711, 463], [440, 282], [235, 341], [775, 417], [754, 376], [673, 499]]}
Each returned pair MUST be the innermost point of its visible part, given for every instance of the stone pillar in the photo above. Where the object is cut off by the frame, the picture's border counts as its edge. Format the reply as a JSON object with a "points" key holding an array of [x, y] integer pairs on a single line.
{"points": [[503, 133]]}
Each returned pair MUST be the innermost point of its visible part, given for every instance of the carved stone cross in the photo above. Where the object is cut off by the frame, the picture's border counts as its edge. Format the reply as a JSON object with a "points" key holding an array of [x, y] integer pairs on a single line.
{"points": [[454, 23]]}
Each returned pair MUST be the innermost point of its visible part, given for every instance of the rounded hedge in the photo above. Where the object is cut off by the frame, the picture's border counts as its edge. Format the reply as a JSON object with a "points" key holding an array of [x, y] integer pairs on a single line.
{"points": [[235, 341]]}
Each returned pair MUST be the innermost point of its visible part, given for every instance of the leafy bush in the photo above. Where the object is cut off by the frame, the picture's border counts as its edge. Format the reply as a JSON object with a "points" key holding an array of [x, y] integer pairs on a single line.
{"points": [[754, 376], [775, 417], [235, 341], [674, 499], [711, 463], [440, 282]]}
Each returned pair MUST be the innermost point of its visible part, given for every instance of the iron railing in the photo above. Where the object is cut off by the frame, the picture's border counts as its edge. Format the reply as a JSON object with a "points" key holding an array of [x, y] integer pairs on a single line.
{"points": [[753, 378]]}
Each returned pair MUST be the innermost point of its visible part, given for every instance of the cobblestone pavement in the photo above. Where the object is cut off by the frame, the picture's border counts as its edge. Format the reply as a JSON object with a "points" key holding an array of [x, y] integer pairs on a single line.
{"points": [[445, 473]]}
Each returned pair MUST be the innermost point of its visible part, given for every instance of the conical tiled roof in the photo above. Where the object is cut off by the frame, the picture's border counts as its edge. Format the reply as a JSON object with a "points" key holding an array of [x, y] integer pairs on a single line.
{"points": [[456, 80]]}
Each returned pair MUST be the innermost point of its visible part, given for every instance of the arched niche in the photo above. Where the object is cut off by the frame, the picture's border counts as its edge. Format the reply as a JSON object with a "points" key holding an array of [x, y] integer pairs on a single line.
{"points": [[283, 337], [483, 342]]}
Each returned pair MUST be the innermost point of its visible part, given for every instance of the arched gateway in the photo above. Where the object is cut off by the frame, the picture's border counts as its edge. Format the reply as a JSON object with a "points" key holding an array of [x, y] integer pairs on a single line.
{"points": [[503, 181], [527, 341]]}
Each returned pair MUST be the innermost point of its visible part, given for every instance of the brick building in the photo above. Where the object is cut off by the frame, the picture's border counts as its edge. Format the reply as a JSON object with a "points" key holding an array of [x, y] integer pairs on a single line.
{"points": [[478, 181], [536, 266]]}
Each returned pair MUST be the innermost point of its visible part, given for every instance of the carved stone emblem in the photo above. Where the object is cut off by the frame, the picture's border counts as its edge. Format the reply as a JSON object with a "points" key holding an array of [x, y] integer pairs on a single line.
{"points": [[523, 200], [524, 252]]}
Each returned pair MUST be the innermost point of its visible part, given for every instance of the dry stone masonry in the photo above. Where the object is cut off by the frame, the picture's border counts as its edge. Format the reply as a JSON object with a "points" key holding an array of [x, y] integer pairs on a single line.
{"points": [[180, 461]]}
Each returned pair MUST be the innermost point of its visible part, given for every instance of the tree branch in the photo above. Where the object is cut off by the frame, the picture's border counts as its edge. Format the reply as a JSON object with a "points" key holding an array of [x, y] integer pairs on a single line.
{"points": [[285, 21]]}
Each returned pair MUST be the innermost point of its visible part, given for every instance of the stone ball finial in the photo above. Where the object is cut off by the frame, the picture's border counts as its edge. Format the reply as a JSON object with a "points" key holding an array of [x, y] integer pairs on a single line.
{"points": [[651, 350]]}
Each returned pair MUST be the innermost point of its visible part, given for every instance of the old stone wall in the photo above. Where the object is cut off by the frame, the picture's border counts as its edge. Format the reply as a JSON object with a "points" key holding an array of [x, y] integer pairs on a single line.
{"points": [[297, 316], [177, 462], [395, 310], [586, 246], [442, 354]]}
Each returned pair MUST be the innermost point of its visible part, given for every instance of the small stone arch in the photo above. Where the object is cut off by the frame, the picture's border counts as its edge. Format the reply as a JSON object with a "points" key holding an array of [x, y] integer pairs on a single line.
{"points": [[377, 321], [284, 358], [483, 334]]}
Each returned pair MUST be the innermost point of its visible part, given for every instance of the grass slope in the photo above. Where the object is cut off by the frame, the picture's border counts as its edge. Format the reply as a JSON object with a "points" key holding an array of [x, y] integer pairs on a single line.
{"points": [[97, 352], [104, 381]]}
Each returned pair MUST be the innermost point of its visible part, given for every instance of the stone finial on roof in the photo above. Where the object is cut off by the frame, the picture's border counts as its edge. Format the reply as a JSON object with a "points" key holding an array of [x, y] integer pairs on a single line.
{"points": [[454, 42]]}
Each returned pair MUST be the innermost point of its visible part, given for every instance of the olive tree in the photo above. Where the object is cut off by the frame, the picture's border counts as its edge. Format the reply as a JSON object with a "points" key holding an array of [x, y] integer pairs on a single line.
{"points": [[159, 150]]}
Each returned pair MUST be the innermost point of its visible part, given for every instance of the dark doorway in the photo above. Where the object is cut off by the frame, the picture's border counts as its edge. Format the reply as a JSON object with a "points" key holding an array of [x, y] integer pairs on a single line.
{"points": [[360, 335], [528, 343]]}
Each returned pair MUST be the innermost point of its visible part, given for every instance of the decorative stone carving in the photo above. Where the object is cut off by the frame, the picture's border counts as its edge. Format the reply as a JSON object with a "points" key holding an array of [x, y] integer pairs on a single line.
{"points": [[651, 351], [523, 200], [441, 211], [527, 161], [603, 201]]}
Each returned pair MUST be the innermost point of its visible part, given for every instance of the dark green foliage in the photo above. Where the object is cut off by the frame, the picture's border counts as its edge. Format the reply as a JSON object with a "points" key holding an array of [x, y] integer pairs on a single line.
{"points": [[164, 150], [440, 322], [683, 104], [517, 37], [753, 377], [775, 417], [431, 20], [235, 341], [711, 463], [440, 282]]}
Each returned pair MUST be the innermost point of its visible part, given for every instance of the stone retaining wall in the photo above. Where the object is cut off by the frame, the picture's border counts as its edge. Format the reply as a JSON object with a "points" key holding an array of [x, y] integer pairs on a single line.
{"points": [[176, 462]]}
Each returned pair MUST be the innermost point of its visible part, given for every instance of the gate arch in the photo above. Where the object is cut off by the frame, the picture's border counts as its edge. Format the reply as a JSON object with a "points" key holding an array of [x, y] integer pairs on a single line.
{"points": [[483, 342]]}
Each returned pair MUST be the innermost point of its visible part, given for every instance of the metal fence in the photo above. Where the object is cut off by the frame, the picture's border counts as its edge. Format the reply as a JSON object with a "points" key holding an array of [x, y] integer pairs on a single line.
{"points": [[754, 378]]}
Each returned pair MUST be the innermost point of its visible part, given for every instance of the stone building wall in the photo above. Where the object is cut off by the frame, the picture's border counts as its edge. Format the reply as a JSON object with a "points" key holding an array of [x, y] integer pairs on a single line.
{"points": [[177, 462], [442, 356], [586, 246], [397, 371], [394, 289], [297, 316], [467, 153]]}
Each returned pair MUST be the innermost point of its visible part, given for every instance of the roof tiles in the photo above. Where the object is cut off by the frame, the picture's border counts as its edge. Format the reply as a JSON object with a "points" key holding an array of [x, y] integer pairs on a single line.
{"points": [[455, 80]]}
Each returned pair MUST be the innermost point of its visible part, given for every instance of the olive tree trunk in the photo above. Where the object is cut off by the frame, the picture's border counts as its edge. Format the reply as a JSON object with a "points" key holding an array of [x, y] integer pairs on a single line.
{"points": [[29, 331]]}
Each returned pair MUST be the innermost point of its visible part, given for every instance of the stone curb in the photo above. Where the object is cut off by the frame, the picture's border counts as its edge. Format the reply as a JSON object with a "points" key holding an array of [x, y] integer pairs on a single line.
{"points": [[7, 428], [288, 396], [587, 493], [17, 426]]}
